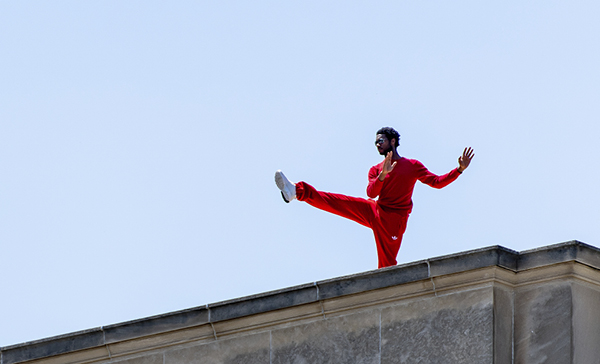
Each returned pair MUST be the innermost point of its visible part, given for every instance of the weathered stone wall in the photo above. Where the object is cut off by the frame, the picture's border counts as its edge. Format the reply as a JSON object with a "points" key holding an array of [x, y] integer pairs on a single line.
{"points": [[491, 305]]}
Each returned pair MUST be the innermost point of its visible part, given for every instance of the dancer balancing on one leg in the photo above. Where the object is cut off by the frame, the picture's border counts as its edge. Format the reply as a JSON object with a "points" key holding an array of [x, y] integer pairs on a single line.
{"points": [[393, 180]]}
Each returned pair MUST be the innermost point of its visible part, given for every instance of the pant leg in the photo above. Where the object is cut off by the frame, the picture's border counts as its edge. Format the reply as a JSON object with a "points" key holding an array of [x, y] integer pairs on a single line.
{"points": [[357, 209], [387, 227], [388, 230]]}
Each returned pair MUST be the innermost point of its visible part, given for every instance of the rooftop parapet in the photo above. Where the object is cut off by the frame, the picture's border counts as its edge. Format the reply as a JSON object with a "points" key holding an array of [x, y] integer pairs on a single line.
{"points": [[213, 321]]}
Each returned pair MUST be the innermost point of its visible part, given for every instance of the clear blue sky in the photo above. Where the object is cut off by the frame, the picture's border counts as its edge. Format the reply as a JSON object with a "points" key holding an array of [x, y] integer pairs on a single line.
{"points": [[138, 143]]}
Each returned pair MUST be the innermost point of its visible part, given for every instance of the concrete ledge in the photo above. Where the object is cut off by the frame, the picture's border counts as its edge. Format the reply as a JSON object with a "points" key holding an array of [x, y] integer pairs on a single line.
{"points": [[371, 280], [133, 336], [558, 253], [56, 345], [155, 325], [474, 259], [269, 301]]}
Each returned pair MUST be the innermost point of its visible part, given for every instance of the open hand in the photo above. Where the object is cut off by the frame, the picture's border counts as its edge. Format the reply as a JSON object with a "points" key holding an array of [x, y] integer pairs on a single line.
{"points": [[387, 166], [465, 159]]}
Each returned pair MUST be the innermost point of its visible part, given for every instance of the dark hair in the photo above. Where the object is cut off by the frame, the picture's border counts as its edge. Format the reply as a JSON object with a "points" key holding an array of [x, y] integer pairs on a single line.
{"points": [[390, 134]]}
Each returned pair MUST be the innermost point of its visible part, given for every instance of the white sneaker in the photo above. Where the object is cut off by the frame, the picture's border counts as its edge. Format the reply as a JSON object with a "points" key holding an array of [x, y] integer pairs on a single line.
{"points": [[288, 189]]}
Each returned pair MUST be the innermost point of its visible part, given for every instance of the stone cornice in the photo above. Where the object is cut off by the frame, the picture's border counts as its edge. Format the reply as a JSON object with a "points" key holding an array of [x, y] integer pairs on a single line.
{"points": [[431, 276]]}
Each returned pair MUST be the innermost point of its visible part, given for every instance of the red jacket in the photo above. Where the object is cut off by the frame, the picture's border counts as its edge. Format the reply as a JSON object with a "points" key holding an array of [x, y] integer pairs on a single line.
{"points": [[396, 190]]}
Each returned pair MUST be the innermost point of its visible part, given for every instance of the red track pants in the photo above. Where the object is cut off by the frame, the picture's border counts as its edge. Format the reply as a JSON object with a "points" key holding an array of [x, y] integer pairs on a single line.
{"points": [[388, 227]]}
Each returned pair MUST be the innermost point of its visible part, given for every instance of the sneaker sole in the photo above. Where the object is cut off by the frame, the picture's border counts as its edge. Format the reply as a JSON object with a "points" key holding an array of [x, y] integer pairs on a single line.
{"points": [[280, 182]]}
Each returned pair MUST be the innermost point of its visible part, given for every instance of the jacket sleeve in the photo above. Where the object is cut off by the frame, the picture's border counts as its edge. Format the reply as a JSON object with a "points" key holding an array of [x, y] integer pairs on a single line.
{"points": [[374, 186], [434, 180]]}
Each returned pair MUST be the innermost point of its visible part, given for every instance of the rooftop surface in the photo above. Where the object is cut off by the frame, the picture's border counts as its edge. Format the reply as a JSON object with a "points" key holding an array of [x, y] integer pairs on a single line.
{"points": [[303, 294]]}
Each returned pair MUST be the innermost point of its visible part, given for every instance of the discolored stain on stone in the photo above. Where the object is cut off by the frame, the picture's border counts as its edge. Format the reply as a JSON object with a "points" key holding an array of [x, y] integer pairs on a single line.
{"points": [[251, 349], [352, 339], [457, 328], [543, 324], [503, 325], [148, 359], [586, 324]]}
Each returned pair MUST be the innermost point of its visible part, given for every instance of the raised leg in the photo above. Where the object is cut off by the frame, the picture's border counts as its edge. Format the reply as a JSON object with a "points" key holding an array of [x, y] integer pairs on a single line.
{"points": [[357, 209]]}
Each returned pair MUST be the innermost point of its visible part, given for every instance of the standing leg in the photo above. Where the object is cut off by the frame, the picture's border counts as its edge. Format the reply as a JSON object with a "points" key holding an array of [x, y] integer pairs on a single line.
{"points": [[388, 231]]}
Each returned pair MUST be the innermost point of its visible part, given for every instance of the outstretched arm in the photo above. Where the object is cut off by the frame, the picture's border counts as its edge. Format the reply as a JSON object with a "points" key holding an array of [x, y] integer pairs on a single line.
{"points": [[465, 159], [442, 181]]}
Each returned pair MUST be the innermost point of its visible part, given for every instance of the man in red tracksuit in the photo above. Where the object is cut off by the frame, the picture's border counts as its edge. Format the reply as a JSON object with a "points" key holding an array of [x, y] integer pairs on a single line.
{"points": [[393, 180]]}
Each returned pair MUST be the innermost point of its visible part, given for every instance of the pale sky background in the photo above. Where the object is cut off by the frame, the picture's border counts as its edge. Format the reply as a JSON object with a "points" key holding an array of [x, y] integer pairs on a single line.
{"points": [[139, 139]]}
